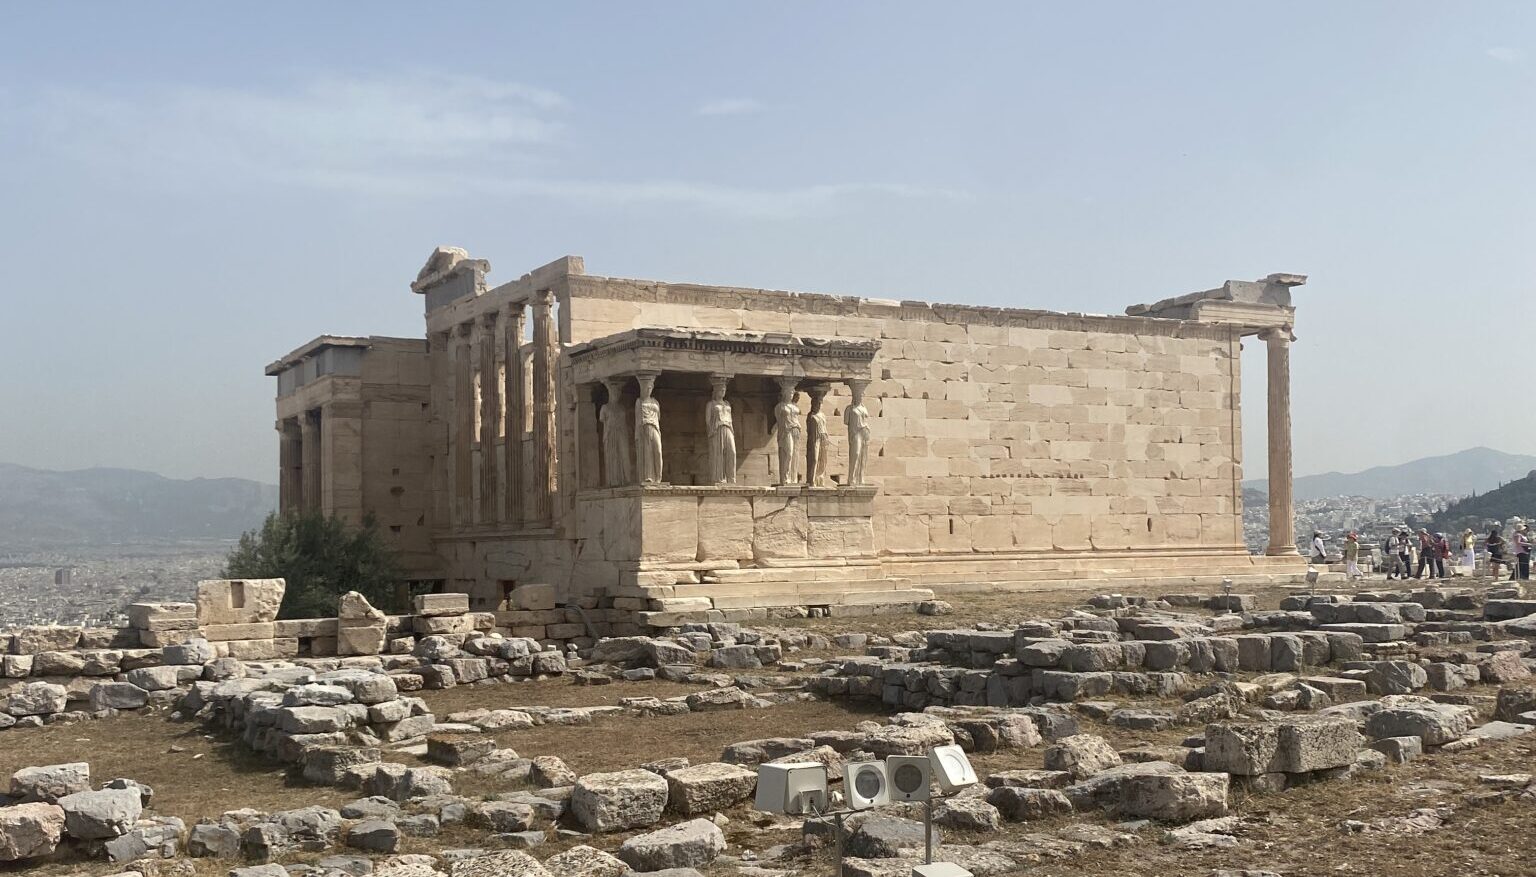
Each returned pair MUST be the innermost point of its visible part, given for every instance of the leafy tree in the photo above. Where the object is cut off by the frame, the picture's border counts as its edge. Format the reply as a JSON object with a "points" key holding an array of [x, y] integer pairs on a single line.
{"points": [[321, 558]]}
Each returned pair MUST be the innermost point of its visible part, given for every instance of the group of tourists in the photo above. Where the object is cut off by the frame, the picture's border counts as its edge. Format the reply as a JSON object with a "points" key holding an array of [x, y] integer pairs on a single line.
{"points": [[1514, 552], [1407, 554]]}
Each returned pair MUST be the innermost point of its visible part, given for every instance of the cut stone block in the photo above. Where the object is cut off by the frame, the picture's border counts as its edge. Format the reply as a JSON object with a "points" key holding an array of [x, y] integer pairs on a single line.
{"points": [[239, 601]]}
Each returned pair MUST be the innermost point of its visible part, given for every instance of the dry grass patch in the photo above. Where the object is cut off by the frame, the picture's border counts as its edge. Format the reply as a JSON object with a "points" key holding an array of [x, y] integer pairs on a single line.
{"points": [[194, 774]]}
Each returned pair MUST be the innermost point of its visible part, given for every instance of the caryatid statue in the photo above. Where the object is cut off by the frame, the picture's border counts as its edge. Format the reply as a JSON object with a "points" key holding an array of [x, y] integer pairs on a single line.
{"points": [[616, 447], [856, 416], [787, 421], [648, 432], [722, 433], [818, 443]]}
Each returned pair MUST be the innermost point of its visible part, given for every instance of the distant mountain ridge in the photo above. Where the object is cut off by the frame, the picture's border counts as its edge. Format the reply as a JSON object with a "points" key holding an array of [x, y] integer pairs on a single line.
{"points": [[1475, 470], [1515, 499], [40, 507]]}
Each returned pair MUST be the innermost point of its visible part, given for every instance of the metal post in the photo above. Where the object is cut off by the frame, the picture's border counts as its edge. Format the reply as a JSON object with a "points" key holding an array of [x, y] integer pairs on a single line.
{"points": [[837, 819], [928, 832]]}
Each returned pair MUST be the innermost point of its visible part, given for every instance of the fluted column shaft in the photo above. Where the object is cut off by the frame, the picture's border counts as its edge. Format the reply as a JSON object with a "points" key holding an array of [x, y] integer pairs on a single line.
{"points": [[463, 425], [490, 417], [1282, 508], [516, 415], [544, 437]]}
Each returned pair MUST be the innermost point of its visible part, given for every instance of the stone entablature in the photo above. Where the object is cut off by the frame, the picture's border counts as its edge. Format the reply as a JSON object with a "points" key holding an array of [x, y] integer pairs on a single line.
{"points": [[659, 350]]}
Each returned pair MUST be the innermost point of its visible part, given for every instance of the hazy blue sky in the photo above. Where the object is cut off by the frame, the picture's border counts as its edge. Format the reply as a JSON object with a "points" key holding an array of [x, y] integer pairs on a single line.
{"points": [[187, 191]]}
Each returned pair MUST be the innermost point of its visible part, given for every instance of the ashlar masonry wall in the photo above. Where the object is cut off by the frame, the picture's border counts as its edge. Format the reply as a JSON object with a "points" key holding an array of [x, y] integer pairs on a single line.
{"points": [[1004, 433]]}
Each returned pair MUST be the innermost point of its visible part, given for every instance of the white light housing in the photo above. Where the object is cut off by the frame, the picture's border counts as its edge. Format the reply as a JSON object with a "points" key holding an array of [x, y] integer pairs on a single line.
{"points": [[795, 789], [909, 776], [866, 785], [951, 768]]}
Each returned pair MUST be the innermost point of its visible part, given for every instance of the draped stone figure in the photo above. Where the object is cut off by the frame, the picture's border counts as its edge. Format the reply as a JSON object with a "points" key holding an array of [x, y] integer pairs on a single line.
{"points": [[648, 433], [818, 443], [719, 420], [616, 448], [787, 417], [856, 416]]}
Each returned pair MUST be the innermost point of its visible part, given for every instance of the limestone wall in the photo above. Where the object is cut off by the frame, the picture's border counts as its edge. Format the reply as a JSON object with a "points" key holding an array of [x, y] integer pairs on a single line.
{"points": [[1004, 431], [375, 444]]}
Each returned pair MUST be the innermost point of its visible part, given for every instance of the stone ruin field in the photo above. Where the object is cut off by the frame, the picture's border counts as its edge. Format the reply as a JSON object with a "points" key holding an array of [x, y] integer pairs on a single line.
{"points": [[1373, 733]]}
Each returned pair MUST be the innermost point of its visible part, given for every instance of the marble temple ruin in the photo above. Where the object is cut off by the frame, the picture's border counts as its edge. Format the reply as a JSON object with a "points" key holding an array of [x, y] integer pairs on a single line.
{"points": [[687, 453]]}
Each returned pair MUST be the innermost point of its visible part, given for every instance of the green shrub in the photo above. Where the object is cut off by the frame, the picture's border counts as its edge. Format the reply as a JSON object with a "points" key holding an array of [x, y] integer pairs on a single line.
{"points": [[321, 558]]}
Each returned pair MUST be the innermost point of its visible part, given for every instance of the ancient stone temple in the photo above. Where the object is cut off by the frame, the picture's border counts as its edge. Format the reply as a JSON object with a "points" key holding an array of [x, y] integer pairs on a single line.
{"points": [[687, 452]]}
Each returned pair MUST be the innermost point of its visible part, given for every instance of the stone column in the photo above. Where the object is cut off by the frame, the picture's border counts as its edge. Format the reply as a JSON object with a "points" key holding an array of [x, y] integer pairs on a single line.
{"points": [[290, 454], [720, 426], [461, 486], [544, 456], [490, 417], [309, 463], [516, 415], [1282, 510], [617, 447], [648, 457], [817, 440], [787, 429], [856, 417]]}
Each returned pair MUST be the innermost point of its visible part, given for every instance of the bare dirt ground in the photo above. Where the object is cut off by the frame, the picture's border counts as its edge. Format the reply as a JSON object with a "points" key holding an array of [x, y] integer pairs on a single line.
{"points": [[194, 772], [623, 742]]}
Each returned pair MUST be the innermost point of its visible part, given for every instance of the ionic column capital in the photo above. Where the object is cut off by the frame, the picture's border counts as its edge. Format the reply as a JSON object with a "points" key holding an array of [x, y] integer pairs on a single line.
{"points": [[1281, 334]]}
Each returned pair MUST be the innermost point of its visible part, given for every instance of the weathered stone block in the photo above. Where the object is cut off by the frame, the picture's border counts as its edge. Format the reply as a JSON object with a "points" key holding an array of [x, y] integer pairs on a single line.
{"points": [[438, 605], [100, 815], [687, 845], [1081, 755], [239, 601], [706, 788], [1174, 797], [28, 831], [605, 802], [1315, 744]]}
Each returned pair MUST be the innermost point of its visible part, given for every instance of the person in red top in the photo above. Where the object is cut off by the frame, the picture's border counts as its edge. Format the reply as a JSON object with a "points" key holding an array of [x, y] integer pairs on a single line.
{"points": [[1427, 554], [1442, 552]]}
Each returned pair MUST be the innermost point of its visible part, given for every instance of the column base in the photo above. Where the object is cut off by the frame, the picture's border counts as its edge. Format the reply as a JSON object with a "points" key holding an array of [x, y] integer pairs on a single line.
{"points": [[1282, 551]]}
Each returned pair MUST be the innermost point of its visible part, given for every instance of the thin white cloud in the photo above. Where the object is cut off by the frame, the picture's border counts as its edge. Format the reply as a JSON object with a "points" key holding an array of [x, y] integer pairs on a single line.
{"points": [[1504, 54], [419, 136], [730, 106]]}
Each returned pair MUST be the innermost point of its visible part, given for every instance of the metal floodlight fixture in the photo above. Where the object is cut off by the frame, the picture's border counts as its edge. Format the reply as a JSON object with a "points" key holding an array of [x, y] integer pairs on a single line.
{"points": [[866, 784], [910, 776], [795, 789], [951, 768]]}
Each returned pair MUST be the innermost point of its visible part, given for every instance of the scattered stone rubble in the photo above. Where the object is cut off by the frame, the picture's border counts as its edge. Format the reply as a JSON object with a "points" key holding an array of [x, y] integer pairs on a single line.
{"points": [[1323, 689]]}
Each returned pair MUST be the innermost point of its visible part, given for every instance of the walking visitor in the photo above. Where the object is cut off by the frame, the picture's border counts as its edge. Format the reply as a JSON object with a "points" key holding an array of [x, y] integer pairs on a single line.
{"points": [[1496, 547], [1522, 540], [1352, 556]]}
